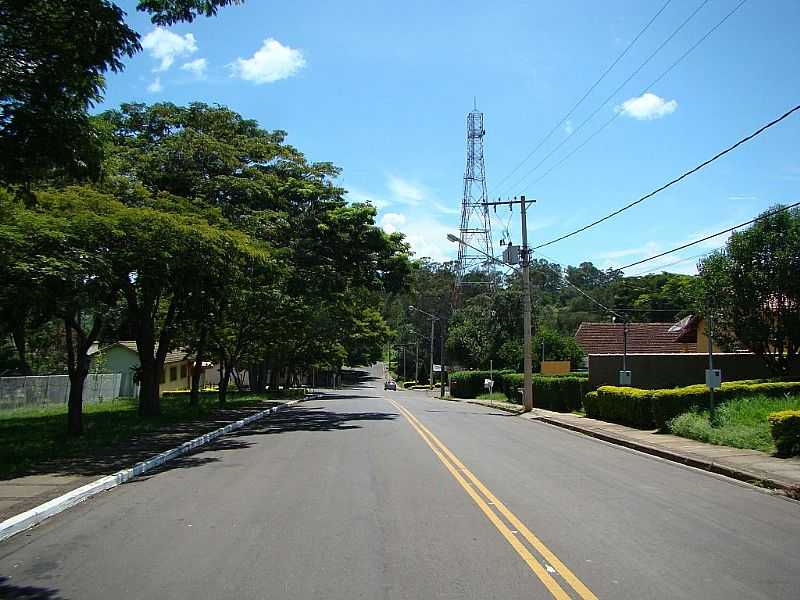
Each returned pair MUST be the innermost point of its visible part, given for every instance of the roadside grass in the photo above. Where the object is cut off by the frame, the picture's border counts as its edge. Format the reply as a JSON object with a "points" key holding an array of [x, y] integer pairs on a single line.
{"points": [[30, 436], [741, 423], [494, 397]]}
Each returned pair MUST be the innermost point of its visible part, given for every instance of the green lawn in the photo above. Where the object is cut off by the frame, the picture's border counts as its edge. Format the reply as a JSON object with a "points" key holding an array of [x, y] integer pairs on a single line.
{"points": [[494, 397], [29, 436], [741, 423]]}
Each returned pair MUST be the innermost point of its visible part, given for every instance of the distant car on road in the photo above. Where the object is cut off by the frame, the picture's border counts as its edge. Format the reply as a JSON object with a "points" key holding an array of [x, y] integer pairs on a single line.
{"points": [[390, 384]]}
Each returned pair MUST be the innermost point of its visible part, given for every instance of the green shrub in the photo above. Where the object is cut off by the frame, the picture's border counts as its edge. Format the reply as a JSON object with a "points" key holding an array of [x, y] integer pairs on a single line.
{"points": [[785, 429], [591, 405], [469, 384], [668, 404], [408, 384], [560, 393], [623, 405]]}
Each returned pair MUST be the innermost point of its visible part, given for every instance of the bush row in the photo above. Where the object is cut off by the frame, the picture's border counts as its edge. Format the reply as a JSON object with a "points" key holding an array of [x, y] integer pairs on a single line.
{"points": [[562, 393], [785, 429], [655, 408]]}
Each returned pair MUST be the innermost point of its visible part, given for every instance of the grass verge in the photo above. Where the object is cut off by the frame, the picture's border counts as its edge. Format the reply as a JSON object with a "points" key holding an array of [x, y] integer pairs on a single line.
{"points": [[741, 423], [495, 397], [30, 436]]}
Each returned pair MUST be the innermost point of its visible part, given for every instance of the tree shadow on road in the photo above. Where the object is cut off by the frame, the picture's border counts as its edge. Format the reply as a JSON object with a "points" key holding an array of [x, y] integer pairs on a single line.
{"points": [[26, 592], [312, 419]]}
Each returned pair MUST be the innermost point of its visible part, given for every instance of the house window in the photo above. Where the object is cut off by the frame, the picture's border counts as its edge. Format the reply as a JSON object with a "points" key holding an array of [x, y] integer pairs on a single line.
{"points": [[163, 375], [183, 371], [173, 373]]}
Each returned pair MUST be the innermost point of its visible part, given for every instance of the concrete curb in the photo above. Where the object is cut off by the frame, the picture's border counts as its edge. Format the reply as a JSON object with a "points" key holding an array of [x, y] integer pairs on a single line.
{"points": [[36, 515], [505, 406], [698, 463]]}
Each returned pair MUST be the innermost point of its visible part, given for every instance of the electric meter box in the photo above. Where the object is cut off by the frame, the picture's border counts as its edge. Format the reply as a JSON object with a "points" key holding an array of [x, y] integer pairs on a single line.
{"points": [[713, 378], [624, 377]]}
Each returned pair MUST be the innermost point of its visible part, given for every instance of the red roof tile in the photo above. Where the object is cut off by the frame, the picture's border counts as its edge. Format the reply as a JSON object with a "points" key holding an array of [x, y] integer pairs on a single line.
{"points": [[643, 338]]}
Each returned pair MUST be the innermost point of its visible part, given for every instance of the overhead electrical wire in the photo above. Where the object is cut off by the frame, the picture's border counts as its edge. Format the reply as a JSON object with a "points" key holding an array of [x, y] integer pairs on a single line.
{"points": [[619, 57], [618, 113], [686, 174], [708, 237], [616, 91]]}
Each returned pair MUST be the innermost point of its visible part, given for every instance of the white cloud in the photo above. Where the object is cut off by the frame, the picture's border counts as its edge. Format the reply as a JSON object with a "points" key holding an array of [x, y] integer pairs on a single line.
{"points": [[155, 86], [647, 107], [197, 67], [742, 197], [405, 191], [165, 46], [426, 236], [568, 127], [272, 62], [391, 221]]}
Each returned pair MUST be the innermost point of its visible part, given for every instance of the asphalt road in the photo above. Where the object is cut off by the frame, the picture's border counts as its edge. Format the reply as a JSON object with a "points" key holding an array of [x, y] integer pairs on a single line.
{"points": [[373, 494]]}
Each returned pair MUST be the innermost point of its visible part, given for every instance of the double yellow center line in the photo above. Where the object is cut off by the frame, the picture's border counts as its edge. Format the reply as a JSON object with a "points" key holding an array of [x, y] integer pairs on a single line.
{"points": [[496, 512]]}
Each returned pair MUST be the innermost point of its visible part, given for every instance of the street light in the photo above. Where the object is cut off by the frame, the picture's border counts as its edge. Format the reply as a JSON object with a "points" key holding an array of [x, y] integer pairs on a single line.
{"points": [[433, 319], [526, 290]]}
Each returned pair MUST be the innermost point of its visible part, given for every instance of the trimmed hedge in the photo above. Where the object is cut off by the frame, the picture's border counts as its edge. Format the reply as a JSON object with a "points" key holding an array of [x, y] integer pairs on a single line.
{"points": [[469, 384], [623, 405], [668, 404], [408, 384], [562, 394], [785, 429], [655, 408]]}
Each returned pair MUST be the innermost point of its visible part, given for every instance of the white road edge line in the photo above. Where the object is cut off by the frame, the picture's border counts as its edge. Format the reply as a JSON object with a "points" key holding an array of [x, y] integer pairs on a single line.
{"points": [[37, 514]]}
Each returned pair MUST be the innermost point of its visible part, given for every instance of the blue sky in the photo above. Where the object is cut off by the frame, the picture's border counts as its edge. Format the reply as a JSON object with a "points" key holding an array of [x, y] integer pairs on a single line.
{"points": [[382, 89]]}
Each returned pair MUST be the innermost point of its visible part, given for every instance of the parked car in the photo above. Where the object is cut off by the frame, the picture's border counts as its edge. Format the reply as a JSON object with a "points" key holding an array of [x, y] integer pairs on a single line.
{"points": [[390, 384]]}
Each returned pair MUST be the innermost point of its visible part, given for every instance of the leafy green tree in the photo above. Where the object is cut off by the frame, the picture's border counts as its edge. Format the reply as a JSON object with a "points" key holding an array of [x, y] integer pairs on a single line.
{"points": [[752, 288], [53, 55], [169, 12], [63, 242]]}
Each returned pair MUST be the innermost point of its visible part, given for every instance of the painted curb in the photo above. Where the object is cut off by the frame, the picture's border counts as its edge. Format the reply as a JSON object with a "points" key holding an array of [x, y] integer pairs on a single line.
{"points": [[705, 465], [37, 514]]}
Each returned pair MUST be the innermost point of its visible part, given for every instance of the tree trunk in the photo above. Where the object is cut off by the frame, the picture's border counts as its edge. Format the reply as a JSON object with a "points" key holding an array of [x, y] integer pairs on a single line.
{"points": [[258, 377], [77, 379], [274, 375], [224, 378], [149, 383], [197, 368], [20, 343]]}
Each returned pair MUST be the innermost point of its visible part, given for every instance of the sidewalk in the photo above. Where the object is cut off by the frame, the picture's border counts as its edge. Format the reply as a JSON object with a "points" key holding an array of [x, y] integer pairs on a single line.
{"points": [[51, 480], [746, 465]]}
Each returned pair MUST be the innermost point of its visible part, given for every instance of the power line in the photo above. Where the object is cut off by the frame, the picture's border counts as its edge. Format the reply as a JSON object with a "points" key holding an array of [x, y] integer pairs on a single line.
{"points": [[618, 113], [566, 280], [676, 262], [585, 95], [674, 181], [615, 92], [708, 237]]}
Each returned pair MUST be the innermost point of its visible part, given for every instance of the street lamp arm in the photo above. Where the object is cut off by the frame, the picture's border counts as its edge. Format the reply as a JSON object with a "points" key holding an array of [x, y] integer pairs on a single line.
{"points": [[458, 240], [419, 310]]}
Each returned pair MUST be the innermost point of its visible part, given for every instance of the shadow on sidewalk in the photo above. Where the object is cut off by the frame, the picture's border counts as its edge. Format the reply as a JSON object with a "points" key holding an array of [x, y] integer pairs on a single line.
{"points": [[14, 592]]}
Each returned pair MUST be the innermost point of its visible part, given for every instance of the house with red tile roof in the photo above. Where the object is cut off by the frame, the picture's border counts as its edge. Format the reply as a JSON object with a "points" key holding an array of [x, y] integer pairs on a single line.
{"points": [[643, 338]]}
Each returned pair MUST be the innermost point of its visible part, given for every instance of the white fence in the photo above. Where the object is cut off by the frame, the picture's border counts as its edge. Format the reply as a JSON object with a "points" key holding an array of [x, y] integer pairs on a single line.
{"points": [[16, 392]]}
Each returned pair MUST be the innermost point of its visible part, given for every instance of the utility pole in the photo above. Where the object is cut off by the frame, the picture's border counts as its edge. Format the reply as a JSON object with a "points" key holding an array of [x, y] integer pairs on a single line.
{"points": [[527, 399], [433, 319], [416, 360]]}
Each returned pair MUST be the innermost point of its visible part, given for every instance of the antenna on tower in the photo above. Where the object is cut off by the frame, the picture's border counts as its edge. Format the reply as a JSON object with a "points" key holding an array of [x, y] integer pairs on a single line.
{"points": [[475, 228]]}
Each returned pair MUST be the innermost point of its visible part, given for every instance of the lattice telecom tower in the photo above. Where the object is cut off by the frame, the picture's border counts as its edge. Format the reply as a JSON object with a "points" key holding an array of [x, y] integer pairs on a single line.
{"points": [[476, 228]]}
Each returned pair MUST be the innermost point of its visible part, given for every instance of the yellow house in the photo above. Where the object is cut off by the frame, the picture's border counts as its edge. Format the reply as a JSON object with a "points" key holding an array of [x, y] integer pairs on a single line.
{"points": [[122, 357]]}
